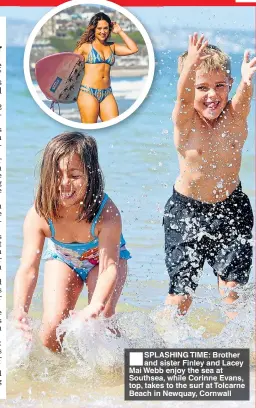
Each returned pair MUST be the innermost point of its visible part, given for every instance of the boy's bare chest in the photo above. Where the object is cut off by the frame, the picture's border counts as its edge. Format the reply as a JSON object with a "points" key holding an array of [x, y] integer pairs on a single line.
{"points": [[223, 140]]}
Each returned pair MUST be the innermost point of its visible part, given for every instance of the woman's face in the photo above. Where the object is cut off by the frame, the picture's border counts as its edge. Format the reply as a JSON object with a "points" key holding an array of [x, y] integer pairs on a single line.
{"points": [[102, 30], [72, 181]]}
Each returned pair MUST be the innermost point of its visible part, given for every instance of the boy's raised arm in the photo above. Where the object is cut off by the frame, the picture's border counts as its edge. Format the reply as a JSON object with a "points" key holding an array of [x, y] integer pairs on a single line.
{"points": [[241, 101], [184, 107]]}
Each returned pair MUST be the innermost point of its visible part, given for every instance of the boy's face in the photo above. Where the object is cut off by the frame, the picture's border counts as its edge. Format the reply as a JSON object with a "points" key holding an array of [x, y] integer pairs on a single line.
{"points": [[211, 93]]}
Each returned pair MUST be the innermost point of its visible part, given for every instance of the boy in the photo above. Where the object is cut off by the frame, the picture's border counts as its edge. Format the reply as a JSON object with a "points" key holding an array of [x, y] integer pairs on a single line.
{"points": [[208, 216]]}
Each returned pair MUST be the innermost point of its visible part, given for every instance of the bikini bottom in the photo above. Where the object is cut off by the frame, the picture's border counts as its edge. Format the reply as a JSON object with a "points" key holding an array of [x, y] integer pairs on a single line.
{"points": [[99, 94]]}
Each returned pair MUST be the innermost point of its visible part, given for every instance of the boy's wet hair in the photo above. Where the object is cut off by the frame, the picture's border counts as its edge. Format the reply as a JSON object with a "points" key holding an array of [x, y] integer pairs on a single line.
{"points": [[48, 193], [218, 60]]}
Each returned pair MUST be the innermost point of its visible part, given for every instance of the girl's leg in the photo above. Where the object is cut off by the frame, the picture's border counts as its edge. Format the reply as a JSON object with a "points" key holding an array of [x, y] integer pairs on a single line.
{"points": [[88, 107], [62, 288], [108, 108], [109, 309]]}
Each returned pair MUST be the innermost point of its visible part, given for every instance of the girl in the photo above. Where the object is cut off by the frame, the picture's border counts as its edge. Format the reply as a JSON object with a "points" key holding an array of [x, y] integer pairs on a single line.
{"points": [[85, 243], [95, 97]]}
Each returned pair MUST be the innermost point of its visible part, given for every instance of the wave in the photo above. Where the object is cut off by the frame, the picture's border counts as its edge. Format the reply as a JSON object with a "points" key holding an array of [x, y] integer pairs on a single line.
{"points": [[230, 41]]}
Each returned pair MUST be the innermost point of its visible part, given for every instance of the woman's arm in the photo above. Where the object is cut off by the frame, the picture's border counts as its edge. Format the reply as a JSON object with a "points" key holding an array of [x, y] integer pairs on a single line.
{"points": [[27, 274], [82, 50], [130, 46]]}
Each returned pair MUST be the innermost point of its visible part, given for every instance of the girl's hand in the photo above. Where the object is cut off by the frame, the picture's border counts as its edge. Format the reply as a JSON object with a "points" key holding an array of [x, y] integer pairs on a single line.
{"points": [[116, 29], [196, 50], [22, 322], [248, 68], [89, 312]]}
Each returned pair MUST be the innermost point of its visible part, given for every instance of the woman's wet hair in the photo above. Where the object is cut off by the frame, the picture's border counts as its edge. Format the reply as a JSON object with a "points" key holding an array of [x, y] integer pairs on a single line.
{"points": [[48, 193], [89, 35], [217, 60]]}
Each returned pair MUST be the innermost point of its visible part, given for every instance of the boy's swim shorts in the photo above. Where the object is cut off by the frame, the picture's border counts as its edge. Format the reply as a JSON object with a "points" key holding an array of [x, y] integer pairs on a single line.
{"points": [[220, 233]]}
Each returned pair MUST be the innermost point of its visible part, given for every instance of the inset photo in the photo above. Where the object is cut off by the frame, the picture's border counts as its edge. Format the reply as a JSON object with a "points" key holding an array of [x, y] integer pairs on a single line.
{"points": [[89, 65]]}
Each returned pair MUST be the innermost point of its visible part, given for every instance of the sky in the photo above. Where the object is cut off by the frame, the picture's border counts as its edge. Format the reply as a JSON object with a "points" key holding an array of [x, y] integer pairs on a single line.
{"points": [[202, 17]]}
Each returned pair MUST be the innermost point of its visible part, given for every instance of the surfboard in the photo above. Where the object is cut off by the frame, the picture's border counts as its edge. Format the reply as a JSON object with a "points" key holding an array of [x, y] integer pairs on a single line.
{"points": [[59, 76]]}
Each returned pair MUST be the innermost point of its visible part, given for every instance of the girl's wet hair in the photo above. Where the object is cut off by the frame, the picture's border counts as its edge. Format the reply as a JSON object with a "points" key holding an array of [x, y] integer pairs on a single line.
{"points": [[64, 145], [217, 61], [89, 35]]}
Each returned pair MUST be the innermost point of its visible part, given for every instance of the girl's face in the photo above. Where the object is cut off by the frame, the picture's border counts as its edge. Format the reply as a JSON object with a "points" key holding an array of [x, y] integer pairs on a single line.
{"points": [[102, 30], [72, 181]]}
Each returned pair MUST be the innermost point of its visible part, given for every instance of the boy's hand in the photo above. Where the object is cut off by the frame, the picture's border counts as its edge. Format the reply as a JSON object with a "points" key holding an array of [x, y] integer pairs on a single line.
{"points": [[196, 50], [248, 68]]}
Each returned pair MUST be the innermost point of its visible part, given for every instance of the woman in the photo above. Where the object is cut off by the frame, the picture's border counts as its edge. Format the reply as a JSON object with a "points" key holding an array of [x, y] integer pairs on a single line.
{"points": [[95, 97]]}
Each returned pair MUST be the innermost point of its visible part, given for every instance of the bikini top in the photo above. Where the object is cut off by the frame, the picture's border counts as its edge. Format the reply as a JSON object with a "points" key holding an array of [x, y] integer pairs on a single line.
{"points": [[79, 254], [94, 57]]}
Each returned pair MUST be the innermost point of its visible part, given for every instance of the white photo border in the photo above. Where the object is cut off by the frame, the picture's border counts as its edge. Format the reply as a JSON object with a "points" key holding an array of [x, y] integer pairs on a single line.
{"points": [[3, 208], [144, 91]]}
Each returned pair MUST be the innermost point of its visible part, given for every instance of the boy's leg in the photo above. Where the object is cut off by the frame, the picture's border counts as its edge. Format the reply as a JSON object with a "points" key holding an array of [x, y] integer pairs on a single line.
{"points": [[182, 301], [62, 288], [232, 255], [228, 294], [185, 252], [91, 282]]}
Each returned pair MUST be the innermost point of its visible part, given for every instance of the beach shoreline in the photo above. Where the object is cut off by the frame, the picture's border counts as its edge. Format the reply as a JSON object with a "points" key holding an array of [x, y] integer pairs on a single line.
{"points": [[129, 72]]}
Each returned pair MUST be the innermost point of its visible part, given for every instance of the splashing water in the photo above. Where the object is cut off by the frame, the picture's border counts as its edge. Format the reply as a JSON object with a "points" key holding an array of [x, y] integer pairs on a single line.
{"points": [[89, 371], [18, 346], [95, 344]]}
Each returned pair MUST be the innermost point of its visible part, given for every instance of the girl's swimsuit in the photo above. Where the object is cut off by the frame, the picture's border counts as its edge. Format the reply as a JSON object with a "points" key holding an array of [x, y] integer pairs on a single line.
{"points": [[81, 257], [94, 57]]}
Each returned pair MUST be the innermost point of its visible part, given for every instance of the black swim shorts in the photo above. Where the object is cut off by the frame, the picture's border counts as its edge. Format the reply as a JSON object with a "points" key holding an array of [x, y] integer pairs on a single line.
{"points": [[220, 233]]}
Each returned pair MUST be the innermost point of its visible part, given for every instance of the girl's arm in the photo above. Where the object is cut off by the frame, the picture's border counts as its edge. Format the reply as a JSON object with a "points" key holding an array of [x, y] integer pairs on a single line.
{"points": [[27, 274], [130, 46], [109, 248]]}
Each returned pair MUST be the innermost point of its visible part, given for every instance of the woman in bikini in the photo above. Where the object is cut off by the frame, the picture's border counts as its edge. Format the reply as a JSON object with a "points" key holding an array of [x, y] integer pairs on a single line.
{"points": [[85, 243], [95, 98]]}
